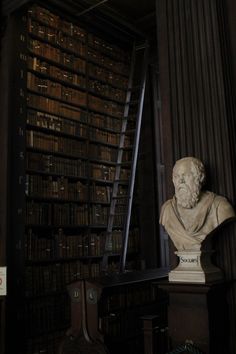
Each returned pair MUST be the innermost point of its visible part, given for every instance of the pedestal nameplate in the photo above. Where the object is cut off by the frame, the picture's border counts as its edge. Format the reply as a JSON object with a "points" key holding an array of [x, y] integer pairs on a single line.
{"points": [[195, 267]]}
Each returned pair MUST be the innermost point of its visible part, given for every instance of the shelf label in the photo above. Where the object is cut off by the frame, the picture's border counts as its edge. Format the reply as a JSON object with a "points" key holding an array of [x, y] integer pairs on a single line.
{"points": [[3, 281]]}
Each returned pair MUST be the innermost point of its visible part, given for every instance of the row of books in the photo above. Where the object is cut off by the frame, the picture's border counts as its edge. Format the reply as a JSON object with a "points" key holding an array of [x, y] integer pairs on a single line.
{"points": [[103, 136], [47, 314], [100, 193], [105, 106], [57, 187], [105, 122], [52, 143], [105, 153], [62, 188], [40, 162], [75, 148], [47, 214], [72, 214], [107, 75], [56, 165], [67, 126], [65, 246], [128, 297], [108, 48], [71, 95], [47, 343], [58, 124], [106, 90], [102, 172], [49, 105], [56, 90], [46, 279], [50, 19], [96, 86], [99, 214], [53, 71], [122, 326], [56, 37], [45, 104], [53, 277], [107, 173], [55, 55], [99, 58]]}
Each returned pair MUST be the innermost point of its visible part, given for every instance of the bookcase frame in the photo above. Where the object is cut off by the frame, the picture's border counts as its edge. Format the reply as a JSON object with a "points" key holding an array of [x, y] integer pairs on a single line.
{"points": [[34, 277]]}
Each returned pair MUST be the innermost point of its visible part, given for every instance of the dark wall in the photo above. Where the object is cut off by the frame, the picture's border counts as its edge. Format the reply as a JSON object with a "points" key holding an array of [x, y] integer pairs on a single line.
{"points": [[196, 51]]}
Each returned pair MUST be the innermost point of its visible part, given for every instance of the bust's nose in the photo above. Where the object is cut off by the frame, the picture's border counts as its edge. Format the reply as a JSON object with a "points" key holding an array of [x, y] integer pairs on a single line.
{"points": [[181, 179]]}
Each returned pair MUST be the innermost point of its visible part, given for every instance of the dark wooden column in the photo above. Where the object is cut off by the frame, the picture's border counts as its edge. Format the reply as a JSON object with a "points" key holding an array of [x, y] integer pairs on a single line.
{"points": [[4, 170], [198, 314], [195, 43]]}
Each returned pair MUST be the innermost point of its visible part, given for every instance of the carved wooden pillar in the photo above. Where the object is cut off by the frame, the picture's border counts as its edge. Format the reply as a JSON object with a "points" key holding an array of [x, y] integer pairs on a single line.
{"points": [[198, 104]]}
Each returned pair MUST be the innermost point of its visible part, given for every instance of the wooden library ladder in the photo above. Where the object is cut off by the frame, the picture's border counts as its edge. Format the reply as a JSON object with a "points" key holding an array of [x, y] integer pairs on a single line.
{"points": [[133, 107]]}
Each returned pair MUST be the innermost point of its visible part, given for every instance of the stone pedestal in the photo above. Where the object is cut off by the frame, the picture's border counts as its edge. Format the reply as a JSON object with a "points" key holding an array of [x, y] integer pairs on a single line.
{"points": [[195, 267], [198, 314]]}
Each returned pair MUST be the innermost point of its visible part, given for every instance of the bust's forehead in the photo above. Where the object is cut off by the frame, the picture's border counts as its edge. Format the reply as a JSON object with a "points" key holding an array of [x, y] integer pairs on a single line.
{"points": [[183, 165]]}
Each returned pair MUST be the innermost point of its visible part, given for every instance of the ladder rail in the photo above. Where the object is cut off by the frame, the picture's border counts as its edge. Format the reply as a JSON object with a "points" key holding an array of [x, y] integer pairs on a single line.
{"points": [[134, 163], [129, 197], [108, 241]]}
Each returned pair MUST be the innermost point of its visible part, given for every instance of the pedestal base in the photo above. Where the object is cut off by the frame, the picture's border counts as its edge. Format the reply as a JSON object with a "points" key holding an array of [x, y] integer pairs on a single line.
{"points": [[195, 267], [198, 314]]}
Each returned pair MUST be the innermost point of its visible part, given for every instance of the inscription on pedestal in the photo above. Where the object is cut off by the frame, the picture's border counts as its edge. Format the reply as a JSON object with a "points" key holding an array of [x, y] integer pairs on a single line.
{"points": [[189, 260], [195, 267]]}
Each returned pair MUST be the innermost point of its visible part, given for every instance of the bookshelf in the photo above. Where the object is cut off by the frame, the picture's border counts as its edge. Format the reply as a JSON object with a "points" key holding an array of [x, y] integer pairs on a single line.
{"points": [[71, 89]]}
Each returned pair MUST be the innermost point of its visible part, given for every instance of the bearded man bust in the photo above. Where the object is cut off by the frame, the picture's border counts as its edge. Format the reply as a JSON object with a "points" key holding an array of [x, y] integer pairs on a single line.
{"points": [[192, 214]]}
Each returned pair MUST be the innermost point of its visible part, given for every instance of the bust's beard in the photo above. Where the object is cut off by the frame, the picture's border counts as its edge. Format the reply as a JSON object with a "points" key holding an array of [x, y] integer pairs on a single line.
{"points": [[187, 197]]}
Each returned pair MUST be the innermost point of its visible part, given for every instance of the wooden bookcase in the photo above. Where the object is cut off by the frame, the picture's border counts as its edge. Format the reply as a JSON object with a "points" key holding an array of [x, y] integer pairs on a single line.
{"points": [[68, 87], [113, 312]]}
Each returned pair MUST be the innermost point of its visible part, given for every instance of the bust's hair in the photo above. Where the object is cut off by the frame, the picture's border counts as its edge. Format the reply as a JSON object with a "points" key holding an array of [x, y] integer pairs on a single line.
{"points": [[197, 168]]}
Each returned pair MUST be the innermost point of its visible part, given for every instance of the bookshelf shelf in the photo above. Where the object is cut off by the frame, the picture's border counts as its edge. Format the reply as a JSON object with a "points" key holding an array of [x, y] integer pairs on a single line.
{"points": [[57, 153], [105, 162], [55, 63], [56, 227], [91, 56], [58, 99], [39, 198], [55, 132], [53, 174], [66, 83], [58, 46], [82, 115]]}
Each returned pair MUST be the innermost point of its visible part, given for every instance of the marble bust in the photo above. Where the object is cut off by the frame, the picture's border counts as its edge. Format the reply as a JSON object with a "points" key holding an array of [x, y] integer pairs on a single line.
{"points": [[192, 214]]}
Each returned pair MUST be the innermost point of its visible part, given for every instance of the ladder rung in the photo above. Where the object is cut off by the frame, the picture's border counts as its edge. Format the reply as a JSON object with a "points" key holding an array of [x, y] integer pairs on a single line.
{"points": [[121, 181], [133, 102], [118, 214], [127, 163], [121, 197], [141, 46], [130, 131], [134, 88]]}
